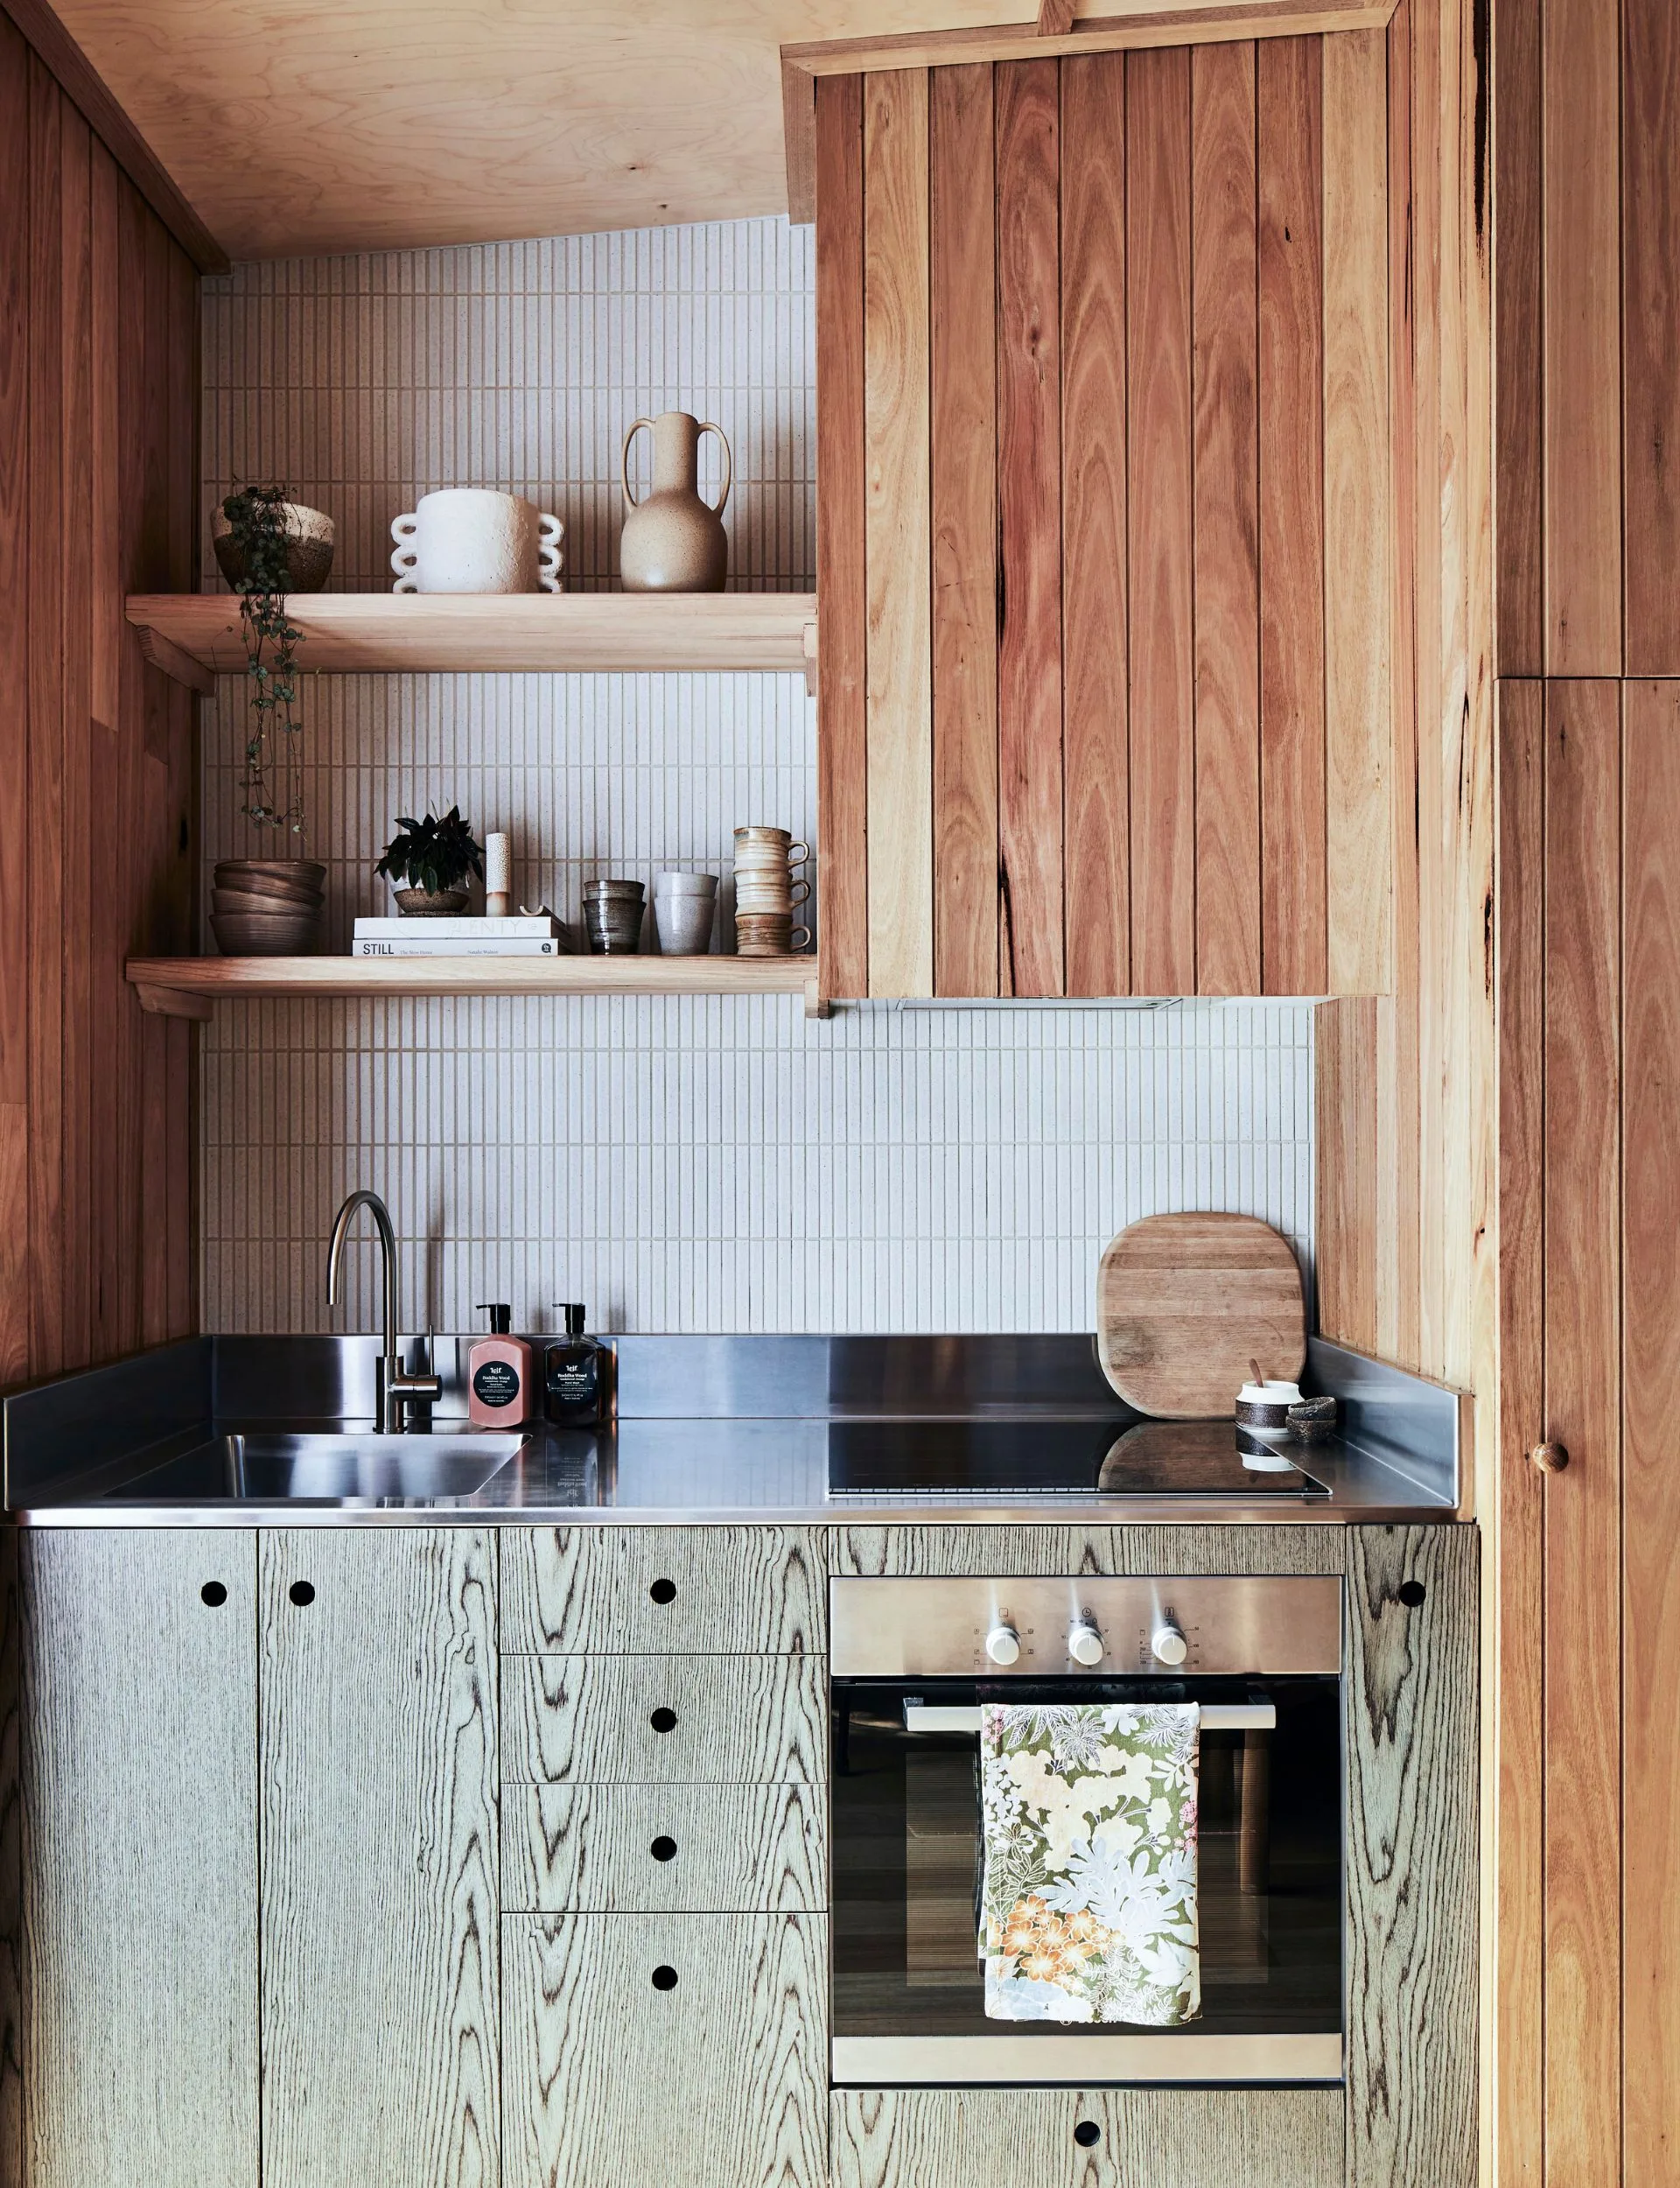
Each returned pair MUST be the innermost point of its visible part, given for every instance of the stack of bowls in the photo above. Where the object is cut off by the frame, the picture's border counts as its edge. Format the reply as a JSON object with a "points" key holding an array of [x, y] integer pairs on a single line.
{"points": [[766, 893], [613, 917], [267, 908]]}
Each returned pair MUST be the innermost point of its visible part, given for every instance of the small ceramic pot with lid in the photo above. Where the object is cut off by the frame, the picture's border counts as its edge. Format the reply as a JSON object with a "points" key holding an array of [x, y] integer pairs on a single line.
{"points": [[1266, 1404]]}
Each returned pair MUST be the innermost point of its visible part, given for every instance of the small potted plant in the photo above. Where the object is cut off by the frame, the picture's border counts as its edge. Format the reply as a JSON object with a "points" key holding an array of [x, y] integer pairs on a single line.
{"points": [[265, 906], [429, 863]]}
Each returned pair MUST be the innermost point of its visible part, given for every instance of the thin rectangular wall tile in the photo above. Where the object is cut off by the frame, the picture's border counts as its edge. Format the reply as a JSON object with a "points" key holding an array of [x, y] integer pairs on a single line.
{"points": [[1031, 960], [1096, 861], [897, 544], [963, 251]]}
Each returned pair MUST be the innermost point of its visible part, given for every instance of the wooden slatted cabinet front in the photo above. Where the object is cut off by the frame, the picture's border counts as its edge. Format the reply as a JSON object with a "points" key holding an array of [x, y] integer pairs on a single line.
{"points": [[1103, 426]]}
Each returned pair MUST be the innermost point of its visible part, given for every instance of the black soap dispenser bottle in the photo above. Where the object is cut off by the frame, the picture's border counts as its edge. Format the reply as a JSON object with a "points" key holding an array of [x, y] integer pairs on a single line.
{"points": [[574, 1379]]}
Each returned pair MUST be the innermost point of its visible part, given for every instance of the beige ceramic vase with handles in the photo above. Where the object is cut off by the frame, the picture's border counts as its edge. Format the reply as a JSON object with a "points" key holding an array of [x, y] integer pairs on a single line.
{"points": [[674, 541]]}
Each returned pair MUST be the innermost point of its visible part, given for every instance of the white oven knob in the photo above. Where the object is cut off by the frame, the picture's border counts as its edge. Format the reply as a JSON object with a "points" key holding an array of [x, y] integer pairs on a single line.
{"points": [[1084, 1643], [1167, 1643], [1003, 1644]]}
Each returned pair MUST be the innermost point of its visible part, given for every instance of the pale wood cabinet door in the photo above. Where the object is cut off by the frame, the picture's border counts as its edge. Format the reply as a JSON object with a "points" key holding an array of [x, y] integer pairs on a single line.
{"points": [[133, 1670], [1101, 2138], [379, 1772], [685, 2049]]}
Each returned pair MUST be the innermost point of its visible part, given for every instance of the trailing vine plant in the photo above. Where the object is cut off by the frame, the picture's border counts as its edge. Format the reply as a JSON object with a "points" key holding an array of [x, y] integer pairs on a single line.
{"points": [[273, 788]]}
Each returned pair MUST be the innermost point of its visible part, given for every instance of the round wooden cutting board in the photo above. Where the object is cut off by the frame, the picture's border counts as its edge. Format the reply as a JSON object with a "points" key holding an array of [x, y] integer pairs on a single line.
{"points": [[1184, 1303]]}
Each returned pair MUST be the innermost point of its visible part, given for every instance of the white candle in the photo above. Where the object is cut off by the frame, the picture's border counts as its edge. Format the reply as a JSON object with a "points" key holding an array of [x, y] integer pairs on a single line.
{"points": [[498, 876]]}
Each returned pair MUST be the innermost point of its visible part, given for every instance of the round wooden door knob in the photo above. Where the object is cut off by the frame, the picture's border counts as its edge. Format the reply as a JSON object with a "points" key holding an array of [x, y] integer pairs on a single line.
{"points": [[1550, 1458]]}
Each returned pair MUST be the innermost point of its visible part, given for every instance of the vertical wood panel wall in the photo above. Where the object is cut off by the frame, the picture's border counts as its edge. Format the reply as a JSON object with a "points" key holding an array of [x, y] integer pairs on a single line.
{"points": [[98, 423], [1406, 1140], [1587, 121], [1130, 579], [1586, 107]]}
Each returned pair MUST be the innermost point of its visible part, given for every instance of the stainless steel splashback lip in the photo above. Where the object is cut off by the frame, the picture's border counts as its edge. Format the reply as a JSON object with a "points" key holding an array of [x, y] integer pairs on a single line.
{"points": [[964, 2061], [1257, 1624]]}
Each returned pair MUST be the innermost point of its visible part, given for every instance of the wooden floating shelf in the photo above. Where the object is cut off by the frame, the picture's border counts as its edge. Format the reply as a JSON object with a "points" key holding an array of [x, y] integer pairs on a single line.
{"points": [[195, 636], [190, 987]]}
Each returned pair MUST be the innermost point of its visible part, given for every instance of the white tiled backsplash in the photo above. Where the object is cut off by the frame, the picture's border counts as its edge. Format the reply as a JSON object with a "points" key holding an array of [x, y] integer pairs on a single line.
{"points": [[679, 1163]]}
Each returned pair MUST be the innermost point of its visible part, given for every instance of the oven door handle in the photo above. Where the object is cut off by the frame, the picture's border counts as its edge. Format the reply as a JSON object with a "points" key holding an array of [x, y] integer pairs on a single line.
{"points": [[1217, 1716]]}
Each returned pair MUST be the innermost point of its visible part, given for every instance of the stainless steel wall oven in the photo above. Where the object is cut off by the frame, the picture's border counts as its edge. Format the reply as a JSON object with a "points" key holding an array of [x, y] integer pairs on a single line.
{"points": [[911, 1661]]}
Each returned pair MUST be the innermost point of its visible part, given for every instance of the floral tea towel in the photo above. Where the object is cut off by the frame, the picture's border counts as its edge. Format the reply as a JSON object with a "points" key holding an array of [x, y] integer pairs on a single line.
{"points": [[1089, 1909]]}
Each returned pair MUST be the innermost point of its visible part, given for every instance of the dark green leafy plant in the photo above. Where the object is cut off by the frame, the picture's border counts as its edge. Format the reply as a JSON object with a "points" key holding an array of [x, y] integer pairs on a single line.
{"points": [[432, 853], [273, 783]]}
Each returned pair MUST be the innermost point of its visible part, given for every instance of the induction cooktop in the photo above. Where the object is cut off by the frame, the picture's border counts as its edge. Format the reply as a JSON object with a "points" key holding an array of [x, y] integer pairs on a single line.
{"points": [[1051, 1457]]}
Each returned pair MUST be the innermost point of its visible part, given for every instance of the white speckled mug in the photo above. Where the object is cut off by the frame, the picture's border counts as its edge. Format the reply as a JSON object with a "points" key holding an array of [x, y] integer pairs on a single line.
{"points": [[473, 539]]}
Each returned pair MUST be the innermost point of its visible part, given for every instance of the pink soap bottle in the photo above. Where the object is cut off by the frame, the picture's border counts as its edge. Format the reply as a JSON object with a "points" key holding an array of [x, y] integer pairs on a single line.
{"points": [[498, 1373]]}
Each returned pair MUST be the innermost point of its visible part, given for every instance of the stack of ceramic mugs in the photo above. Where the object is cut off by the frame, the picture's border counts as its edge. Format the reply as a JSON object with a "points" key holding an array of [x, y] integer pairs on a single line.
{"points": [[766, 893]]}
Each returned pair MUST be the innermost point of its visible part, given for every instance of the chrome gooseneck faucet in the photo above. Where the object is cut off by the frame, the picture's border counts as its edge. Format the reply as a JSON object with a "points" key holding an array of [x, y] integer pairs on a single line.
{"points": [[396, 1389]]}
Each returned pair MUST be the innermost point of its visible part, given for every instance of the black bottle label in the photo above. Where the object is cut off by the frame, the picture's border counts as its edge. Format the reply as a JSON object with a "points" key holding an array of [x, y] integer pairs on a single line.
{"points": [[572, 1382], [495, 1384]]}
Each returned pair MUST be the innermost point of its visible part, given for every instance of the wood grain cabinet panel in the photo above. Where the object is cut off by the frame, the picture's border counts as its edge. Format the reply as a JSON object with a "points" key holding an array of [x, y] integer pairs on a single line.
{"points": [[1412, 1740], [380, 2039], [1127, 343], [939, 1551], [1147, 2138], [136, 1744], [641, 1720], [664, 1849], [690, 2050], [685, 1591]]}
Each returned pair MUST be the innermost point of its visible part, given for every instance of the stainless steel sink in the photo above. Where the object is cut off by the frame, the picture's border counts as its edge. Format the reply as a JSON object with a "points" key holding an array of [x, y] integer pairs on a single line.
{"points": [[367, 1468]]}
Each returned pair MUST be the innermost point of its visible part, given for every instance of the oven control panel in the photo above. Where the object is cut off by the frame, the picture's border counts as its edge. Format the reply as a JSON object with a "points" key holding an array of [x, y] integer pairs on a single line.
{"points": [[1043, 1627]]}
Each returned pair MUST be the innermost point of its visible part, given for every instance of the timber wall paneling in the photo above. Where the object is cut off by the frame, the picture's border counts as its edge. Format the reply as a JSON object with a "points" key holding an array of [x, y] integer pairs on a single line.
{"points": [[1406, 1242], [1587, 123], [1588, 1904], [1108, 391], [98, 471]]}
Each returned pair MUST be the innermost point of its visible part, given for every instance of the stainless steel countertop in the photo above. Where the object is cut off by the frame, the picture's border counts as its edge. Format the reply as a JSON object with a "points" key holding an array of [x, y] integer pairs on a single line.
{"points": [[711, 1431], [665, 1473]]}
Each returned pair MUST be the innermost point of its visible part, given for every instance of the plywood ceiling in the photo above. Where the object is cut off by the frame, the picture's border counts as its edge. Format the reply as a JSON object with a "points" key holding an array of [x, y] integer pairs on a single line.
{"points": [[375, 124]]}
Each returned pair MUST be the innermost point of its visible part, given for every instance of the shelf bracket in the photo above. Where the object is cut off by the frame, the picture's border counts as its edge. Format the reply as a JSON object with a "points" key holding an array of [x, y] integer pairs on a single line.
{"points": [[816, 1003], [811, 660], [175, 661], [173, 1002]]}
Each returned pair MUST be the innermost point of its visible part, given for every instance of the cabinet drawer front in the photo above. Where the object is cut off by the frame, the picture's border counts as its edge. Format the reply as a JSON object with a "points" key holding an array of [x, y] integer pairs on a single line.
{"points": [[681, 1591], [722, 2077], [1146, 2138], [727, 1720], [591, 1849]]}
